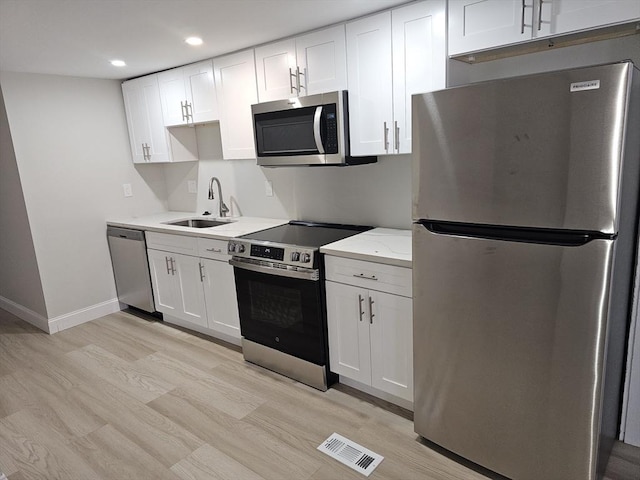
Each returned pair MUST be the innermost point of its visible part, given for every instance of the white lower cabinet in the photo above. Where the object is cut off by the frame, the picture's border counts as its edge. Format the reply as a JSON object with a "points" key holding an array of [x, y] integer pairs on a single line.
{"points": [[193, 283], [370, 330]]}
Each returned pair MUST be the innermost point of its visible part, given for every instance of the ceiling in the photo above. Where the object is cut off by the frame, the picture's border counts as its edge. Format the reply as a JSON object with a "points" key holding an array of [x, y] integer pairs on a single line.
{"points": [[80, 37]]}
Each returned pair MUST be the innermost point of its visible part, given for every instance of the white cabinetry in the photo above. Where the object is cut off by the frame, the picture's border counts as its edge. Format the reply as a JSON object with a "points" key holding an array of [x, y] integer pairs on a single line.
{"points": [[193, 283], [219, 287], [482, 24], [305, 65], [188, 95], [151, 141], [235, 79], [369, 315], [392, 55], [147, 134]]}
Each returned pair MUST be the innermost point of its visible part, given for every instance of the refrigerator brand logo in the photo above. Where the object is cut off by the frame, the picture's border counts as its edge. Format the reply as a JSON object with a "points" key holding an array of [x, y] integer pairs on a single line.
{"points": [[588, 85]]}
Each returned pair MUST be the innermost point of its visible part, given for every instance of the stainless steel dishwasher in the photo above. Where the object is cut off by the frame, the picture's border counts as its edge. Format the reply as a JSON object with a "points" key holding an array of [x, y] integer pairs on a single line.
{"points": [[131, 267]]}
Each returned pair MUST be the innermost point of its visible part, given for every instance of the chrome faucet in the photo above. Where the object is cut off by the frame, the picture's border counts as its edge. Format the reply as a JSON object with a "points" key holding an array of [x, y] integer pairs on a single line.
{"points": [[223, 208]]}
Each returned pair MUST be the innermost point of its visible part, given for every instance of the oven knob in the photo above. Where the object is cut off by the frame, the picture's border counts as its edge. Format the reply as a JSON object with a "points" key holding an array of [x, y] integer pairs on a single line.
{"points": [[295, 256], [240, 248], [305, 258], [232, 247]]}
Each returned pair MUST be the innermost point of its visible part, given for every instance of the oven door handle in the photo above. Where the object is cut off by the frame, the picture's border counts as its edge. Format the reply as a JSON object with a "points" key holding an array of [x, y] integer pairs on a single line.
{"points": [[306, 274], [316, 129]]}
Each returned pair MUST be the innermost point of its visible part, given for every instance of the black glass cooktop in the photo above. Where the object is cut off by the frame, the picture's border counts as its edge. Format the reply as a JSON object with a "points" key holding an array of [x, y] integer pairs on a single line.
{"points": [[306, 234]]}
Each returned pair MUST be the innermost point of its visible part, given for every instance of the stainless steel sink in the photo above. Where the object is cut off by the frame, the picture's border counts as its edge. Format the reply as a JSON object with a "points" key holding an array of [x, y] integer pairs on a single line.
{"points": [[198, 223]]}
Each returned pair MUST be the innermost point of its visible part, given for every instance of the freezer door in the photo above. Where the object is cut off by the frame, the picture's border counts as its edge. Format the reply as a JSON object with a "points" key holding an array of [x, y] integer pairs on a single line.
{"points": [[508, 349], [542, 150]]}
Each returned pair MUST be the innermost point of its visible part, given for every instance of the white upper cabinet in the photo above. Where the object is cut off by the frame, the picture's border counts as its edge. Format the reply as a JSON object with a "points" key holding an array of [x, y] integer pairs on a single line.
{"points": [[483, 24], [419, 61], [147, 135], [369, 75], [188, 94], [312, 63], [392, 55], [235, 79]]}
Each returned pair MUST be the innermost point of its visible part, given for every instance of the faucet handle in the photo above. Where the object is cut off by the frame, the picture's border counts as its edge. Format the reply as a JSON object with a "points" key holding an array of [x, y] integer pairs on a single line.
{"points": [[223, 209]]}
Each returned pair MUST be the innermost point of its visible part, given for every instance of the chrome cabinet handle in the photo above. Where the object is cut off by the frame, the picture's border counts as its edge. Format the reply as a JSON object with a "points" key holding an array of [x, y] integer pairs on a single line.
{"points": [[298, 73], [214, 250], [540, 15], [183, 107], [362, 275], [386, 137], [173, 265], [201, 271], [189, 109], [371, 314], [145, 152], [166, 262], [522, 17], [397, 136], [360, 311], [291, 76]]}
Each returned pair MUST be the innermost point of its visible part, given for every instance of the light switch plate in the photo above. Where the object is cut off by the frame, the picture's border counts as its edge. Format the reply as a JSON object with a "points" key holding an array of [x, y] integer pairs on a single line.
{"points": [[126, 188], [191, 186], [268, 188]]}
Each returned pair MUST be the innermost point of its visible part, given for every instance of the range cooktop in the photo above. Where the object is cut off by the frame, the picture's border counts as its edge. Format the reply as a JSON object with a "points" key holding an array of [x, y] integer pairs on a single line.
{"points": [[295, 243], [306, 234]]}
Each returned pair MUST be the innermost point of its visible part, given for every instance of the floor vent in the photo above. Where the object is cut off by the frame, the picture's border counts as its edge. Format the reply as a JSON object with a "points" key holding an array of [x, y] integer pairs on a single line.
{"points": [[351, 454]]}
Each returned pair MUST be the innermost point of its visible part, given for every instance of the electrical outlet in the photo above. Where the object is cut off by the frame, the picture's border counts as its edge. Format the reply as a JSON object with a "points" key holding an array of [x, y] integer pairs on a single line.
{"points": [[191, 186], [126, 188], [268, 188]]}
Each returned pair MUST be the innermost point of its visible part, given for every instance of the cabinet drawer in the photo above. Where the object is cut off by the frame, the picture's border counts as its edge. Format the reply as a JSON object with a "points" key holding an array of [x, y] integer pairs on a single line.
{"points": [[172, 243], [374, 276], [213, 248]]}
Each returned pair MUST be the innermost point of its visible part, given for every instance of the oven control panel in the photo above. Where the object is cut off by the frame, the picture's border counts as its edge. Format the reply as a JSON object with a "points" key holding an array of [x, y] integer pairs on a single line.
{"points": [[289, 255]]}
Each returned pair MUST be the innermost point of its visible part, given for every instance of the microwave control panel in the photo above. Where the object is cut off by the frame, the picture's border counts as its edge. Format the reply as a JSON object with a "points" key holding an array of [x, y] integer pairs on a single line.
{"points": [[331, 122]]}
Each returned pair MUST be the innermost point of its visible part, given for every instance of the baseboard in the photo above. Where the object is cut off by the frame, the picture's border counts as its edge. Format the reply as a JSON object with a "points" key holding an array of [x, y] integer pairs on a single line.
{"points": [[206, 331], [24, 313], [401, 402], [68, 320]]}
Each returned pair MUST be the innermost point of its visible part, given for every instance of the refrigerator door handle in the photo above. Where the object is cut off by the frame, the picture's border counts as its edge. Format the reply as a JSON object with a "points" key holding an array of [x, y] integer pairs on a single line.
{"points": [[567, 238]]}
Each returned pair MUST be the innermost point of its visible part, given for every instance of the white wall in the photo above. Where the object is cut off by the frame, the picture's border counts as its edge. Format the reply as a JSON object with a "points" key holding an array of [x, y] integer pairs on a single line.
{"points": [[377, 194], [72, 153], [20, 286]]}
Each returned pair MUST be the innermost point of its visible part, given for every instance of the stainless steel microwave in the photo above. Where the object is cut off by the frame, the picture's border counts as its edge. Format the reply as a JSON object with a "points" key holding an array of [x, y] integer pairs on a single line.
{"points": [[304, 131]]}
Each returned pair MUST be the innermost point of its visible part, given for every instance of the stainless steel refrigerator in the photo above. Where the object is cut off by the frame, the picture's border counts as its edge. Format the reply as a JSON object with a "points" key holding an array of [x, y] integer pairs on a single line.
{"points": [[525, 207]]}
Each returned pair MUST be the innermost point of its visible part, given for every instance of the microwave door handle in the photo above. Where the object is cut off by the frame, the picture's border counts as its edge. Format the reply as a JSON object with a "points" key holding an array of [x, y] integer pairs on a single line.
{"points": [[316, 129]]}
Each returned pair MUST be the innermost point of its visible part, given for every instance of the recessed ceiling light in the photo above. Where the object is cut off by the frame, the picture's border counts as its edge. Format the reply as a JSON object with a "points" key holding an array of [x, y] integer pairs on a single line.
{"points": [[193, 41], [118, 63]]}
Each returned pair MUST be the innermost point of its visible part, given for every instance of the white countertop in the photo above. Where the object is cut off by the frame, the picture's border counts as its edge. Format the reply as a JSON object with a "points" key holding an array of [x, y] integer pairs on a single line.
{"points": [[382, 245], [156, 223]]}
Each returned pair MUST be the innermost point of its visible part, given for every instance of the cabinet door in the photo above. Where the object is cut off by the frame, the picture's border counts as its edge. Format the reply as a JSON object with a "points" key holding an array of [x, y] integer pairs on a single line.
{"points": [[144, 120], [274, 65], [348, 325], [419, 61], [189, 279], [220, 297], [322, 59], [369, 79], [479, 24], [391, 334], [563, 16], [163, 283], [173, 97], [235, 78], [201, 92]]}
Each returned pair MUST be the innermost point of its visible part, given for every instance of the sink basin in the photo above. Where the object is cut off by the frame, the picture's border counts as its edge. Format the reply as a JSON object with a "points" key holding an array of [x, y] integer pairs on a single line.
{"points": [[198, 223]]}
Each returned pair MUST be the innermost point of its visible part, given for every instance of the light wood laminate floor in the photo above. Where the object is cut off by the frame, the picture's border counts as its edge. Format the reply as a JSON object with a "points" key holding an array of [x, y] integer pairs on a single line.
{"points": [[125, 398]]}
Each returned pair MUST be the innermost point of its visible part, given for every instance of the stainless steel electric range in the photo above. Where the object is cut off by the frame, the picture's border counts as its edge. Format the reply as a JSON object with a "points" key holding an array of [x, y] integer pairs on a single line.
{"points": [[279, 275]]}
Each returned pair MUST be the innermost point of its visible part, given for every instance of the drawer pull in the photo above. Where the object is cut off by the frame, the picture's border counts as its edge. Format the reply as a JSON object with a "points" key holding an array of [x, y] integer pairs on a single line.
{"points": [[214, 250], [362, 275]]}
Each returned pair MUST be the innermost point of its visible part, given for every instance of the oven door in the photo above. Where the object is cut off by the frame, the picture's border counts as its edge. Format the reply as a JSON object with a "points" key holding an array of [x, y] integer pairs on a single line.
{"points": [[282, 309]]}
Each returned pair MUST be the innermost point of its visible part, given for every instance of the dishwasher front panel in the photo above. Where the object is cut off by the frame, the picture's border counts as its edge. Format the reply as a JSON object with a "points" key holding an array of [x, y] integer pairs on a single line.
{"points": [[131, 268]]}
